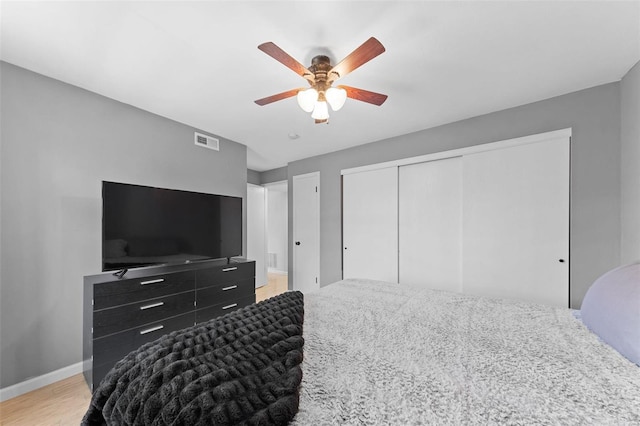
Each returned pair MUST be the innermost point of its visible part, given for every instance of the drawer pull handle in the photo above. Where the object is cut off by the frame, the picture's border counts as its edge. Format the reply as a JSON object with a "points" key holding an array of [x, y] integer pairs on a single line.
{"points": [[229, 269], [153, 305], [152, 329], [229, 306], [231, 287], [159, 280]]}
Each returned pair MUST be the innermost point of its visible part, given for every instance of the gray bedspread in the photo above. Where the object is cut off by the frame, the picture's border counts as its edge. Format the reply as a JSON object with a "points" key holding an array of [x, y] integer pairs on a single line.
{"points": [[380, 353]]}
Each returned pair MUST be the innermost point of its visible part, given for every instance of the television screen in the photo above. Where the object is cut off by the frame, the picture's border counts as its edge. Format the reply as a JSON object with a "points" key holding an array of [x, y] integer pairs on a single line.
{"points": [[144, 226]]}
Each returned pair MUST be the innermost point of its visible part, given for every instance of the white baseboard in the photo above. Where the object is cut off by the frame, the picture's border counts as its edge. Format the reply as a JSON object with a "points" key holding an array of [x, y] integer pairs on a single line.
{"points": [[40, 381], [278, 271]]}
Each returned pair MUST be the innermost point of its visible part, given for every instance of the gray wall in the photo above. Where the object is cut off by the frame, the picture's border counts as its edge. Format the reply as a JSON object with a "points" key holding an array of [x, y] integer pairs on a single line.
{"points": [[268, 176], [253, 177], [58, 143], [630, 166], [594, 116], [275, 175]]}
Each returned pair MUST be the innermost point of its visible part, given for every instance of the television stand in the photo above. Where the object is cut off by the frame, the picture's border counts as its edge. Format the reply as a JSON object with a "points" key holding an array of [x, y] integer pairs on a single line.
{"points": [[122, 313]]}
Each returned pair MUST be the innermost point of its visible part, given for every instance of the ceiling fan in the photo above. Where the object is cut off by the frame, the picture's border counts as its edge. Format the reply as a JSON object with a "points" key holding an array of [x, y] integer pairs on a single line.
{"points": [[321, 75]]}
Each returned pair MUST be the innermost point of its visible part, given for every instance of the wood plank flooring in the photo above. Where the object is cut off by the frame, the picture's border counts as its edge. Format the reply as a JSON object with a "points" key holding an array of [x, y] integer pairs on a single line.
{"points": [[276, 284], [64, 403]]}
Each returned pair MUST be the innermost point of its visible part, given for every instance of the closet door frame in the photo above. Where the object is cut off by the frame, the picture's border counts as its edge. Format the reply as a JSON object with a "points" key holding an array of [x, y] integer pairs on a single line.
{"points": [[564, 134], [556, 134]]}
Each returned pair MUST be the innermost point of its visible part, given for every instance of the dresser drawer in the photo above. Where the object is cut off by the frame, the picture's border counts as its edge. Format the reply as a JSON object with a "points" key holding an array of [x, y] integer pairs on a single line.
{"points": [[218, 294], [215, 311], [133, 290], [113, 320], [224, 274], [112, 348]]}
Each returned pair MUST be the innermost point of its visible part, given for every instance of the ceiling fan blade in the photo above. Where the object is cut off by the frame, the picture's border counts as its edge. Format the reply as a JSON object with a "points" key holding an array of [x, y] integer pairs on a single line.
{"points": [[287, 60], [278, 97], [363, 54], [364, 95]]}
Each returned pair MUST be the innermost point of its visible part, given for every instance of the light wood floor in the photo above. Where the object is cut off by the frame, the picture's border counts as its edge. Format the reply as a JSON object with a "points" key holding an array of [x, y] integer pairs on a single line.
{"points": [[276, 284], [65, 402]]}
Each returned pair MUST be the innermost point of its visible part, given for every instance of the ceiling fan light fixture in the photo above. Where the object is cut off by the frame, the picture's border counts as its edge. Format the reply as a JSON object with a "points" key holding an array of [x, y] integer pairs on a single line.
{"points": [[320, 111], [307, 99], [336, 96], [321, 75]]}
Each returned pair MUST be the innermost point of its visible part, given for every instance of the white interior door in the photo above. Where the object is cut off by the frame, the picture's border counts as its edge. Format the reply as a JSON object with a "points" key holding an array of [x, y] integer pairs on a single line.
{"points": [[430, 224], [516, 222], [370, 224], [257, 231], [306, 232]]}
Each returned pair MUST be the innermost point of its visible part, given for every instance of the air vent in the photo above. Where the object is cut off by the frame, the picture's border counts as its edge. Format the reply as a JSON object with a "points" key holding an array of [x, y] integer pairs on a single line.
{"points": [[206, 141]]}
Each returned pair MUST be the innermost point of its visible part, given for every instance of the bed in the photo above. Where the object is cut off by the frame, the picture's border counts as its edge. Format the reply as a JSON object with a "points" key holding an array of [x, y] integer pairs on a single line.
{"points": [[383, 353]]}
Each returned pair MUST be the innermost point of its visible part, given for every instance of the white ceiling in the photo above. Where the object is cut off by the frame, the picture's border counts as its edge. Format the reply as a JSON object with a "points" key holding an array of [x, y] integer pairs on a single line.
{"points": [[198, 62]]}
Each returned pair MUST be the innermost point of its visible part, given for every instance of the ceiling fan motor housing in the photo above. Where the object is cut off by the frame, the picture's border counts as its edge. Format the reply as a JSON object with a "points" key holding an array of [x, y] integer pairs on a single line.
{"points": [[320, 67]]}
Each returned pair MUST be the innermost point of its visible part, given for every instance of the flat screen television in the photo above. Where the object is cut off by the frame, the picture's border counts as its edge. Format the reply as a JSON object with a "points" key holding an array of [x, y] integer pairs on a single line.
{"points": [[144, 226]]}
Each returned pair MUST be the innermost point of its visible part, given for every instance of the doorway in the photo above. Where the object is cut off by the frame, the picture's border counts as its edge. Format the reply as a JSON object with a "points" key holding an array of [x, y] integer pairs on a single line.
{"points": [[256, 231], [277, 211]]}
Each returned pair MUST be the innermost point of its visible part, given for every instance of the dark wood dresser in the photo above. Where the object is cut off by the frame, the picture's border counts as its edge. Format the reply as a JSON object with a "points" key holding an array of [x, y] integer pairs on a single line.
{"points": [[121, 314]]}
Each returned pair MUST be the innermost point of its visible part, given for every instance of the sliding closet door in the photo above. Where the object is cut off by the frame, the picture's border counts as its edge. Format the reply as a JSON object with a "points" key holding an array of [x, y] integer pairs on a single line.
{"points": [[430, 224], [370, 224], [516, 222]]}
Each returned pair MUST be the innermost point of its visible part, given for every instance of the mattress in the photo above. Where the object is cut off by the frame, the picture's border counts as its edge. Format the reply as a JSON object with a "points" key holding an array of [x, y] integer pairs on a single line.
{"points": [[384, 353]]}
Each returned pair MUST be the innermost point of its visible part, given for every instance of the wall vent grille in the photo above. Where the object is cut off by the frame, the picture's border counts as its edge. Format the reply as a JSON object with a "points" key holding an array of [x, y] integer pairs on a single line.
{"points": [[273, 260], [206, 141]]}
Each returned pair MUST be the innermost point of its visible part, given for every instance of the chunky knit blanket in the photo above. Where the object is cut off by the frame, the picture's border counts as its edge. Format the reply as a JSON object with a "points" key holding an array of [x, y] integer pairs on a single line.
{"points": [[241, 368], [388, 354]]}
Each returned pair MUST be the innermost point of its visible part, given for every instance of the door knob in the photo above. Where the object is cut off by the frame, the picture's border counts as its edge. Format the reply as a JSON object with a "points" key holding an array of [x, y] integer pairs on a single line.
{"points": [[297, 243]]}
